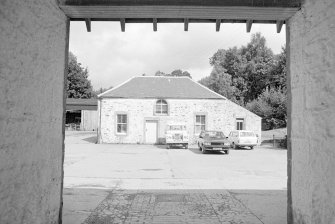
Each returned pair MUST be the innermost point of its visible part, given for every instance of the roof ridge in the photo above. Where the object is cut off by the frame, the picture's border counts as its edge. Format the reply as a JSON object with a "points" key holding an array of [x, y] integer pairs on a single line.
{"points": [[116, 87], [137, 86], [154, 76], [208, 89]]}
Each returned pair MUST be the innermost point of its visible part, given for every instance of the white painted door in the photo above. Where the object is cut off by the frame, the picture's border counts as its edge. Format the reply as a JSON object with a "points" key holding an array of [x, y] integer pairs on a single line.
{"points": [[150, 132]]}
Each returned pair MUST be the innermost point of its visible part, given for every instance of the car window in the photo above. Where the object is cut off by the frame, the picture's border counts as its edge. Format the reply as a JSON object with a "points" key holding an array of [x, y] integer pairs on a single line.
{"points": [[247, 134], [215, 134]]}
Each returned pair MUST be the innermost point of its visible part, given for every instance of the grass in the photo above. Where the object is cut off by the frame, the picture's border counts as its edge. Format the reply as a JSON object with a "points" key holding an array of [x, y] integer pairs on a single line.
{"points": [[279, 133]]}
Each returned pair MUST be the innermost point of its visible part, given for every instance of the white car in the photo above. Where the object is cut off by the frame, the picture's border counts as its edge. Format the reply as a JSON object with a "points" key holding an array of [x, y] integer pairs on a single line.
{"points": [[243, 138]]}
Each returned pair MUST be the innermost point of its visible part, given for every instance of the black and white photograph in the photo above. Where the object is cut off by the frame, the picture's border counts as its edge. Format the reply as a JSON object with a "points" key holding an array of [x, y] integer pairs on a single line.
{"points": [[167, 112]]}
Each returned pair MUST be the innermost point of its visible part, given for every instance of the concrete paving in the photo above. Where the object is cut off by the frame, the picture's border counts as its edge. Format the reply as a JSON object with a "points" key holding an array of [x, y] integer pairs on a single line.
{"points": [[150, 184]]}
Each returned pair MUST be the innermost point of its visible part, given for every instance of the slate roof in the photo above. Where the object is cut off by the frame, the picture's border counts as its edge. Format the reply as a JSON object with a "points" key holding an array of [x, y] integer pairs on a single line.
{"points": [[142, 87], [81, 104]]}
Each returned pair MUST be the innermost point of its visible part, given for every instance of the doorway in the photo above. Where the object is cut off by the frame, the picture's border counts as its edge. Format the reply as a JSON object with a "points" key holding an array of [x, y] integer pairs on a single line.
{"points": [[151, 128]]}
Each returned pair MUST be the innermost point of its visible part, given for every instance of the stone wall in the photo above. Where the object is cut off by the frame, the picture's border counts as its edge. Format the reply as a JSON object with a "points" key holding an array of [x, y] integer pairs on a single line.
{"points": [[33, 37], [311, 39], [220, 115]]}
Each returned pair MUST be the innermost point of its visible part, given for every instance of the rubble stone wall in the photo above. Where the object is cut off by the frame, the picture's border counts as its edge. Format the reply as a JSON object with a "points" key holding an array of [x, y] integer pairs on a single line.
{"points": [[220, 115], [311, 133], [33, 48]]}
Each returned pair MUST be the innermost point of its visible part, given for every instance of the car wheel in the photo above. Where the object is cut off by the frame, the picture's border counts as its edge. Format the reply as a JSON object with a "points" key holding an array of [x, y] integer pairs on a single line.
{"points": [[226, 151], [234, 146], [251, 147], [203, 150]]}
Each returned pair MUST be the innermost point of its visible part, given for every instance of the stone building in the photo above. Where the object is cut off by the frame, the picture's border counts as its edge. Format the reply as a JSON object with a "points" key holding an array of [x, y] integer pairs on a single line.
{"points": [[138, 110]]}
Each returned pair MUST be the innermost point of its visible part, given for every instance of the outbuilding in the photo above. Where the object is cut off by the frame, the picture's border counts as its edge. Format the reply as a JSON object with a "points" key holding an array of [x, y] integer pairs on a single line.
{"points": [[81, 114], [138, 110]]}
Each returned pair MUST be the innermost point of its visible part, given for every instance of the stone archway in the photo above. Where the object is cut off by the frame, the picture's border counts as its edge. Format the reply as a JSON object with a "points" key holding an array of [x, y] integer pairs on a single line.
{"points": [[34, 47]]}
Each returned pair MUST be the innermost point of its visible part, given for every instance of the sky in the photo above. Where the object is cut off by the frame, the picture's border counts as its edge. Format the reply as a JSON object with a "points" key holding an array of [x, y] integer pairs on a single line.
{"points": [[113, 57]]}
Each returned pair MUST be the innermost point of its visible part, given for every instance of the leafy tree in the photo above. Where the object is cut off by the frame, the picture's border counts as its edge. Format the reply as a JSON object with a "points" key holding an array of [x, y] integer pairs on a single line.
{"points": [[278, 72], [78, 85], [248, 66], [176, 73], [252, 76], [271, 106], [159, 73], [221, 82], [95, 93]]}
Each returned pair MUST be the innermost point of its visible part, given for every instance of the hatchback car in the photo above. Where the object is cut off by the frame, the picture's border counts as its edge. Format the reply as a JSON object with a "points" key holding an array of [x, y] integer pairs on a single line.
{"points": [[243, 138], [213, 141]]}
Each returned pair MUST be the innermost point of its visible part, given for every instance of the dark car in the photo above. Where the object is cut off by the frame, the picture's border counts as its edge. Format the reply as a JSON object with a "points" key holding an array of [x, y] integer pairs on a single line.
{"points": [[213, 141]]}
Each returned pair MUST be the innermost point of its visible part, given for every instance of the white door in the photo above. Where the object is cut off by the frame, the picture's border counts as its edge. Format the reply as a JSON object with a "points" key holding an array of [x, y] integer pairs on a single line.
{"points": [[150, 132]]}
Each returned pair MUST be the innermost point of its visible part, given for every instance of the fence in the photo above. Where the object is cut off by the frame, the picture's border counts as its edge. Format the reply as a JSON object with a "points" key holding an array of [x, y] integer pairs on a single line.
{"points": [[276, 141]]}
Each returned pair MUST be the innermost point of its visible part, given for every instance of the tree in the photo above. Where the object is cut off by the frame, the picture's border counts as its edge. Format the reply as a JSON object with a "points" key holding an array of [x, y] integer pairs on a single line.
{"points": [[78, 85], [159, 73], [95, 93], [278, 71], [248, 66], [271, 106], [220, 82], [175, 73], [252, 76]]}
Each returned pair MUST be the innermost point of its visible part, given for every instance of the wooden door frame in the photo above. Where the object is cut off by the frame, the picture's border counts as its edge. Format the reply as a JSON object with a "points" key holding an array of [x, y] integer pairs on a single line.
{"points": [[144, 129]]}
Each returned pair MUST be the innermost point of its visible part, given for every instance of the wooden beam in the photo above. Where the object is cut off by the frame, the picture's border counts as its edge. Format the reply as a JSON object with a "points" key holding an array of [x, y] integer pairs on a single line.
{"points": [[215, 3], [177, 12], [218, 24], [186, 24], [154, 24], [88, 24], [123, 24], [249, 24], [279, 25]]}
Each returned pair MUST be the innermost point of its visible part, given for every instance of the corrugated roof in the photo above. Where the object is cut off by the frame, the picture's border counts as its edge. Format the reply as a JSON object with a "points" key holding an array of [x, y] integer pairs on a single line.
{"points": [[81, 104], [161, 87]]}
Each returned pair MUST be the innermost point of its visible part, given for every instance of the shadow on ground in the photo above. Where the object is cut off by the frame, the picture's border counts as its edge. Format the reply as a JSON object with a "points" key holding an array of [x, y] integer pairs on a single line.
{"points": [[92, 139], [197, 151], [94, 206], [173, 147]]}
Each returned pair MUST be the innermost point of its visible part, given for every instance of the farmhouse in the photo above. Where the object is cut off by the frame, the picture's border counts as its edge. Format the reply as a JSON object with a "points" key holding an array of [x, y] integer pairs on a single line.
{"points": [[139, 110]]}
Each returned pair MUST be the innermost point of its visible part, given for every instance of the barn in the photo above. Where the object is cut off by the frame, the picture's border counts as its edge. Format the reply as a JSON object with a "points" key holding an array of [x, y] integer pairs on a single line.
{"points": [[138, 110], [81, 114]]}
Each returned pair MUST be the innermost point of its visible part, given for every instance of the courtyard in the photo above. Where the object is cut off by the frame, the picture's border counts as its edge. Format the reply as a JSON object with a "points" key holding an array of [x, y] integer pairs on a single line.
{"points": [[116, 183]]}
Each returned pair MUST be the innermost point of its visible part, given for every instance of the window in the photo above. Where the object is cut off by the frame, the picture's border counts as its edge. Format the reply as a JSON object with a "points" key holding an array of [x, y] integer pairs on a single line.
{"points": [[161, 107], [200, 123], [239, 123], [121, 124], [247, 134]]}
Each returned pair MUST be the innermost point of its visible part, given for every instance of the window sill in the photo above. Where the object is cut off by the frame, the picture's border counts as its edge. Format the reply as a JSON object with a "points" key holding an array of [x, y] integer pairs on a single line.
{"points": [[163, 115], [121, 134]]}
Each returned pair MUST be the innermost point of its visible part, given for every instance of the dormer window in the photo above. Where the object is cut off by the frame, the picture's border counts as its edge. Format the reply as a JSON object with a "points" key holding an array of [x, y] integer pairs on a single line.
{"points": [[161, 107]]}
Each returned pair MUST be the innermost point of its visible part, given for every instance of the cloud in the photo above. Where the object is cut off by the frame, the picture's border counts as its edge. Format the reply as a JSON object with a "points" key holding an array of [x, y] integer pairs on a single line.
{"points": [[113, 56]]}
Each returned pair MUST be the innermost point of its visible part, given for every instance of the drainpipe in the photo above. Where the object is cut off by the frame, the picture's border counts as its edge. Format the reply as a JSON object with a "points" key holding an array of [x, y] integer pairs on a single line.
{"points": [[99, 127]]}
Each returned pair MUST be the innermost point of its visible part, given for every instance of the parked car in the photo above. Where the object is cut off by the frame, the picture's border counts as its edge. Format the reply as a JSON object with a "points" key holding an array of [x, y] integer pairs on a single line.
{"points": [[176, 135], [243, 138], [213, 141]]}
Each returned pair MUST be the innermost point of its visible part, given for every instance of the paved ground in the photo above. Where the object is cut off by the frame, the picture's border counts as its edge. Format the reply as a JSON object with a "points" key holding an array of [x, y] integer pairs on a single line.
{"points": [[150, 184]]}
